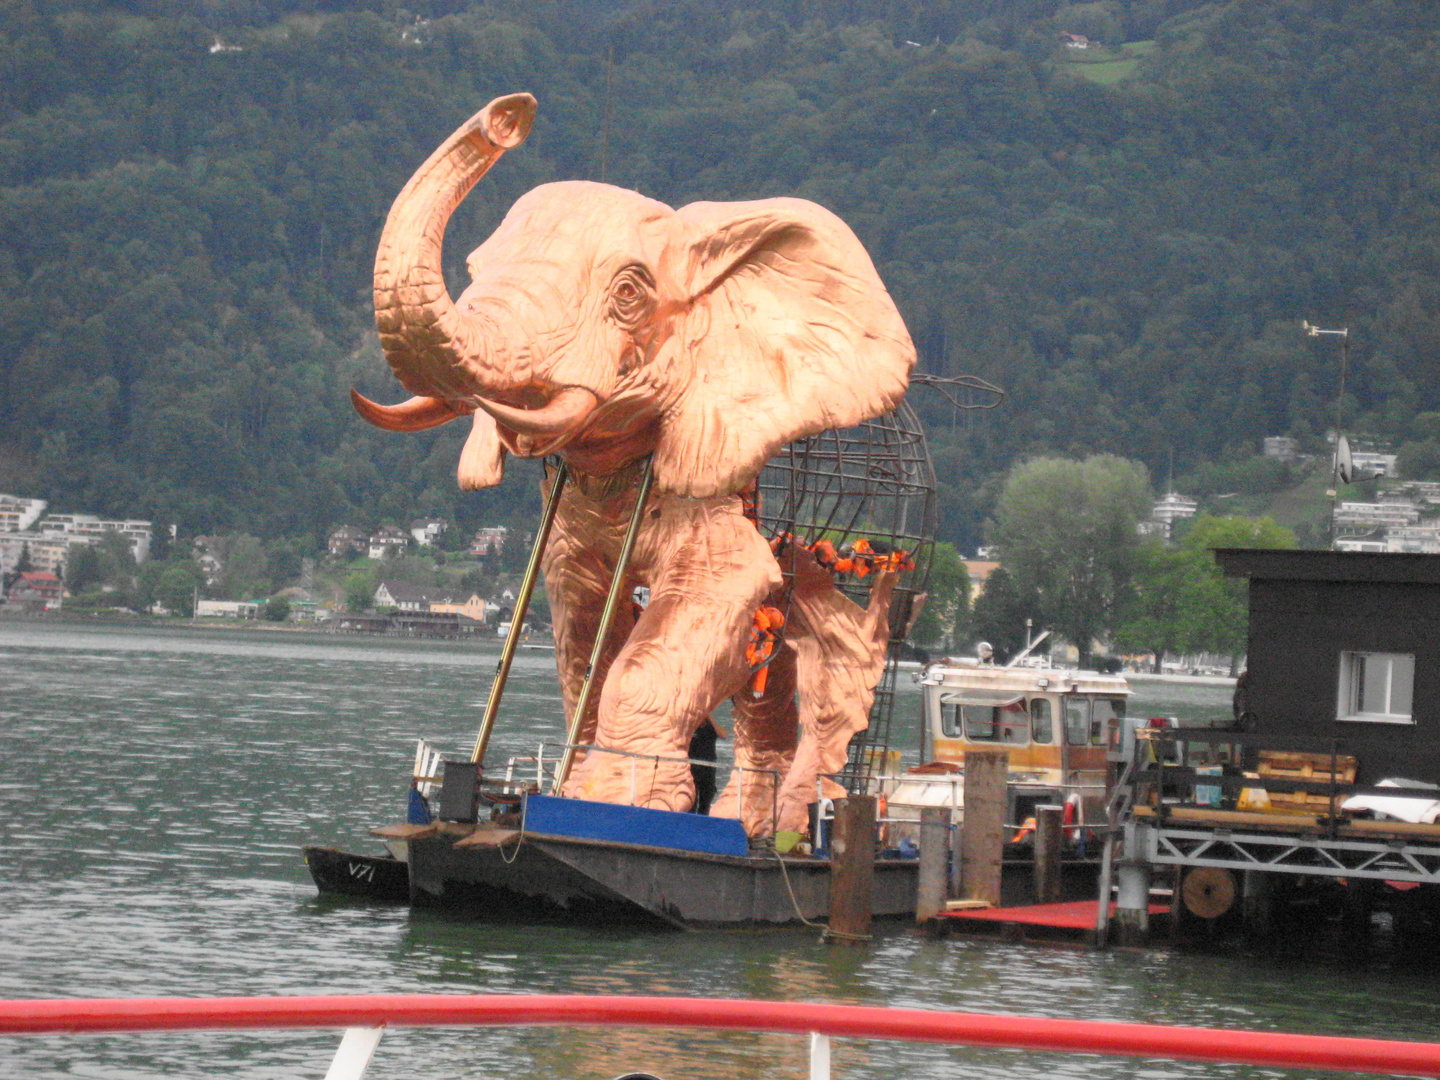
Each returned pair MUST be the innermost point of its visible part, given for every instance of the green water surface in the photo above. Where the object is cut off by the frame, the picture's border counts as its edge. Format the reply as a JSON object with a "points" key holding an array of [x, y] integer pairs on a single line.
{"points": [[157, 786]]}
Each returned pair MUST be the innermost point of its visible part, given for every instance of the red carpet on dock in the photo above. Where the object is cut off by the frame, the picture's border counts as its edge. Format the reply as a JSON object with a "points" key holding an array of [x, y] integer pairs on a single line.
{"points": [[1076, 917]]}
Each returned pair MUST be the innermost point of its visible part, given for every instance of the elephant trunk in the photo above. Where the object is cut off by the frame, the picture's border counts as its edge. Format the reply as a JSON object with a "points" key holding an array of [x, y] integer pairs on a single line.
{"points": [[435, 349]]}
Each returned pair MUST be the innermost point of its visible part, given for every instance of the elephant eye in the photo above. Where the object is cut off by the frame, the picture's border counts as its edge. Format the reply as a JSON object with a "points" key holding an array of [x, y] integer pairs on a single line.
{"points": [[632, 297]]}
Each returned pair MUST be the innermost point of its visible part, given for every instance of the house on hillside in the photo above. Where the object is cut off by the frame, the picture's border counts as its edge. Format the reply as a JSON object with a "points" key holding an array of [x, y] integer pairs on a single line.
{"points": [[1281, 447], [471, 607], [1166, 512], [208, 559], [1358, 518], [87, 528], [402, 597], [428, 530], [1426, 491], [17, 514], [34, 591], [388, 542], [1372, 463], [979, 571], [347, 540], [1075, 41], [44, 552], [488, 540]]}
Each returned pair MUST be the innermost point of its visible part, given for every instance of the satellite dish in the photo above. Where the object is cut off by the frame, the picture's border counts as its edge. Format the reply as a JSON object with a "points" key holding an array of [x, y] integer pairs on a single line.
{"points": [[1344, 466]]}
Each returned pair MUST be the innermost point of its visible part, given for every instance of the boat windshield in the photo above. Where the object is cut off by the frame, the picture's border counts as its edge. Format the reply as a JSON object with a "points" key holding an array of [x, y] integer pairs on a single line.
{"points": [[985, 716], [997, 723], [1087, 720]]}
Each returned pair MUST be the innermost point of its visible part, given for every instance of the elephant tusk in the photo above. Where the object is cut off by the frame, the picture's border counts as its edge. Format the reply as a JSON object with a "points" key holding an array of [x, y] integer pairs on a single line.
{"points": [[564, 414], [417, 414]]}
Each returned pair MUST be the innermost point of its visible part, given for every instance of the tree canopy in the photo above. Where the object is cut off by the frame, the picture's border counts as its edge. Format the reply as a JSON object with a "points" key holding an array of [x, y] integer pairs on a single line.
{"points": [[1066, 531], [1125, 240]]}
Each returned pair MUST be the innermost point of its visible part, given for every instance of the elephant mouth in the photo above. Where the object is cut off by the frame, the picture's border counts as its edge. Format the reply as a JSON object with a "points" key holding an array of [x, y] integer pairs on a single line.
{"points": [[526, 432]]}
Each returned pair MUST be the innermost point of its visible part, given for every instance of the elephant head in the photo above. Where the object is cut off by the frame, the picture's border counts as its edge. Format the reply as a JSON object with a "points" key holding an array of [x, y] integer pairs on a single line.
{"points": [[604, 326]]}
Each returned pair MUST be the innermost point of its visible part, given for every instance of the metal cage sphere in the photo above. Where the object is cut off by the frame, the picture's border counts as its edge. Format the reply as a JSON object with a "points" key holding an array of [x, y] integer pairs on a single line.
{"points": [[874, 482]]}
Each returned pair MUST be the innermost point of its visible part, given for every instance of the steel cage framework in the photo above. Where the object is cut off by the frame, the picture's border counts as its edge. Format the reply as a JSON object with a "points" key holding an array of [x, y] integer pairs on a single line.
{"points": [[874, 481]]}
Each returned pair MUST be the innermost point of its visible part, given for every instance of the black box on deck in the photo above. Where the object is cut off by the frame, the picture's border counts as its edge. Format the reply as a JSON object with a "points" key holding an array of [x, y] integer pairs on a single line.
{"points": [[460, 792]]}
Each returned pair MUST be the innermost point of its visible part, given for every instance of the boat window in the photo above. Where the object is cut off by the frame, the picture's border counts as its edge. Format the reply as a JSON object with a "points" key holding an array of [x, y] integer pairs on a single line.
{"points": [[1042, 727], [1077, 721], [950, 720], [1103, 713], [997, 723]]}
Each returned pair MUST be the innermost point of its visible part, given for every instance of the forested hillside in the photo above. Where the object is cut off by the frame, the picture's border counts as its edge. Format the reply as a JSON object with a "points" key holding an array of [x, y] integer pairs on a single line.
{"points": [[190, 205]]}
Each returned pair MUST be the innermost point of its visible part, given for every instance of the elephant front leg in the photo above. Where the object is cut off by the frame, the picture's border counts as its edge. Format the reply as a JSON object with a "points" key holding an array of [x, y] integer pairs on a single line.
{"points": [[577, 579], [708, 569], [842, 650], [766, 731]]}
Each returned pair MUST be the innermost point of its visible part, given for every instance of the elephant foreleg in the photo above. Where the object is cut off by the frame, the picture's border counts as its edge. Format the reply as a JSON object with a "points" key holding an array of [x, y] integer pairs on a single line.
{"points": [[708, 568], [766, 730], [842, 653], [577, 579]]}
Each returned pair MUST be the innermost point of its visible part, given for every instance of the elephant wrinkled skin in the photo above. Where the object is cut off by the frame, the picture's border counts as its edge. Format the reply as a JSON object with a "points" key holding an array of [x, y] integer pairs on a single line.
{"points": [[607, 328]]}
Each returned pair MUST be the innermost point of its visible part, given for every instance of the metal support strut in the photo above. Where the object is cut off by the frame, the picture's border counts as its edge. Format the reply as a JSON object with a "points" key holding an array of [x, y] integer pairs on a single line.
{"points": [[522, 605]]}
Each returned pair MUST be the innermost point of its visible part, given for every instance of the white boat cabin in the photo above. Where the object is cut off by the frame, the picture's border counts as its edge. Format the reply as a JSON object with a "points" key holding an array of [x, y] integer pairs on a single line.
{"points": [[1057, 726]]}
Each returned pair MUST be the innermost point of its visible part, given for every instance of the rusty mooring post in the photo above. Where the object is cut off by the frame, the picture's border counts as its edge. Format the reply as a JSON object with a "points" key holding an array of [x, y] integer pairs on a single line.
{"points": [[852, 870], [1048, 841], [934, 884], [983, 841]]}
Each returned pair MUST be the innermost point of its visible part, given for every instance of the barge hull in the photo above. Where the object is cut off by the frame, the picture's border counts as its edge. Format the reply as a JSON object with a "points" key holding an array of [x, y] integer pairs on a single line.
{"points": [[596, 882], [368, 877]]}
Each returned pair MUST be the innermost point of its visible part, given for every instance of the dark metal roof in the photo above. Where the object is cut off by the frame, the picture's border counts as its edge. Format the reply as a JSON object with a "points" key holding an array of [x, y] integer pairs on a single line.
{"points": [[1283, 565]]}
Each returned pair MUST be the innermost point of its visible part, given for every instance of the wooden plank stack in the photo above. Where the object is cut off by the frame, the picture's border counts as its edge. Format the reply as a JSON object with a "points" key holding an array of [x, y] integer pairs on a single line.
{"points": [[1309, 768]]}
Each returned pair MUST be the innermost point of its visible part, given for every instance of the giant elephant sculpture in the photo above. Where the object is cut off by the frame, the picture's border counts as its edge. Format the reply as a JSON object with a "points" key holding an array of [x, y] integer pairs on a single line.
{"points": [[611, 330]]}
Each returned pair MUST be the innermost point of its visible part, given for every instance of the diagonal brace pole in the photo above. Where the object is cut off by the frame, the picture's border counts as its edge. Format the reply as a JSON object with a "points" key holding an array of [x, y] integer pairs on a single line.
{"points": [[522, 605]]}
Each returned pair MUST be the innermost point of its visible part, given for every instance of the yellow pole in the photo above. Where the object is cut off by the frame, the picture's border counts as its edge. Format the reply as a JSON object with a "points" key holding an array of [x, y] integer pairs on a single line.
{"points": [[617, 586], [522, 605]]}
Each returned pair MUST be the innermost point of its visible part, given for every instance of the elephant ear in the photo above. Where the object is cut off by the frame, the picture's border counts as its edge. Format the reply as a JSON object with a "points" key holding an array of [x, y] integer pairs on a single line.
{"points": [[482, 460], [790, 332]]}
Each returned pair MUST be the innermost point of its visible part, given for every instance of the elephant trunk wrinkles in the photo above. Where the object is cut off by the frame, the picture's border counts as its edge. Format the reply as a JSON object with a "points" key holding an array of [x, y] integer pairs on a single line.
{"points": [[435, 349]]}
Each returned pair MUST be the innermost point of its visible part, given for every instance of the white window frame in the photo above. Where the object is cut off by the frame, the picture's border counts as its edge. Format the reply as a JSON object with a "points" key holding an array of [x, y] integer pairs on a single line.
{"points": [[1351, 671]]}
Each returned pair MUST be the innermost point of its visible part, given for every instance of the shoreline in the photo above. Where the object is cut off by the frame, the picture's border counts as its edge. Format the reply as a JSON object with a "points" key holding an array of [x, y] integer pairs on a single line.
{"points": [[1192, 680]]}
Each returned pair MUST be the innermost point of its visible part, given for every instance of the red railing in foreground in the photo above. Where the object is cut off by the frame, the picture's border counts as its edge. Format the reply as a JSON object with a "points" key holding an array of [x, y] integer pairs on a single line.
{"points": [[40, 1016]]}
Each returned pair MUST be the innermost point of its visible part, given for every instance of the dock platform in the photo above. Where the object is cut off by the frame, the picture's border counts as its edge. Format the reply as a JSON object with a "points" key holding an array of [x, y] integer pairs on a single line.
{"points": [[1068, 922]]}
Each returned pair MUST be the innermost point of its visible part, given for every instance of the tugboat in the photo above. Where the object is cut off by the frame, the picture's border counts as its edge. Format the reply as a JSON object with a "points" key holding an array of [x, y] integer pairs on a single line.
{"points": [[1057, 726]]}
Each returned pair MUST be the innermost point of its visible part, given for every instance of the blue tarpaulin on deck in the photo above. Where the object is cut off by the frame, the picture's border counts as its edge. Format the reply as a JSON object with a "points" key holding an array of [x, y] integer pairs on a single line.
{"points": [[553, 816]]}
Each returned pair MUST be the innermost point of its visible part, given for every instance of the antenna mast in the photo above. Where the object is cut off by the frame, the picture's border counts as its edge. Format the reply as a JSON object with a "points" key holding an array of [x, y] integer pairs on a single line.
{"points": [[1338, 471]]}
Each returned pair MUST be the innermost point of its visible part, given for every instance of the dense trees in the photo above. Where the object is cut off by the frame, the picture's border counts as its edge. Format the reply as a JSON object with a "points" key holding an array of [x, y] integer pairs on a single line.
{"points": [[190, 198], [1419, 456], [947, 600], [1072, 562], [1179, 602], [1066, 531]]}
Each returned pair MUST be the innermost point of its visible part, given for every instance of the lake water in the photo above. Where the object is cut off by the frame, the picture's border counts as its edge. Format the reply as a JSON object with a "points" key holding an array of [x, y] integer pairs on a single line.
{"points": [[157, 786]]}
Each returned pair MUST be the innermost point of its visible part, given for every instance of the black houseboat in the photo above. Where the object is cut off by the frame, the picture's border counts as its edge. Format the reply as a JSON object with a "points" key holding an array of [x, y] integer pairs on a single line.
{"points": [[1326, 785]]}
